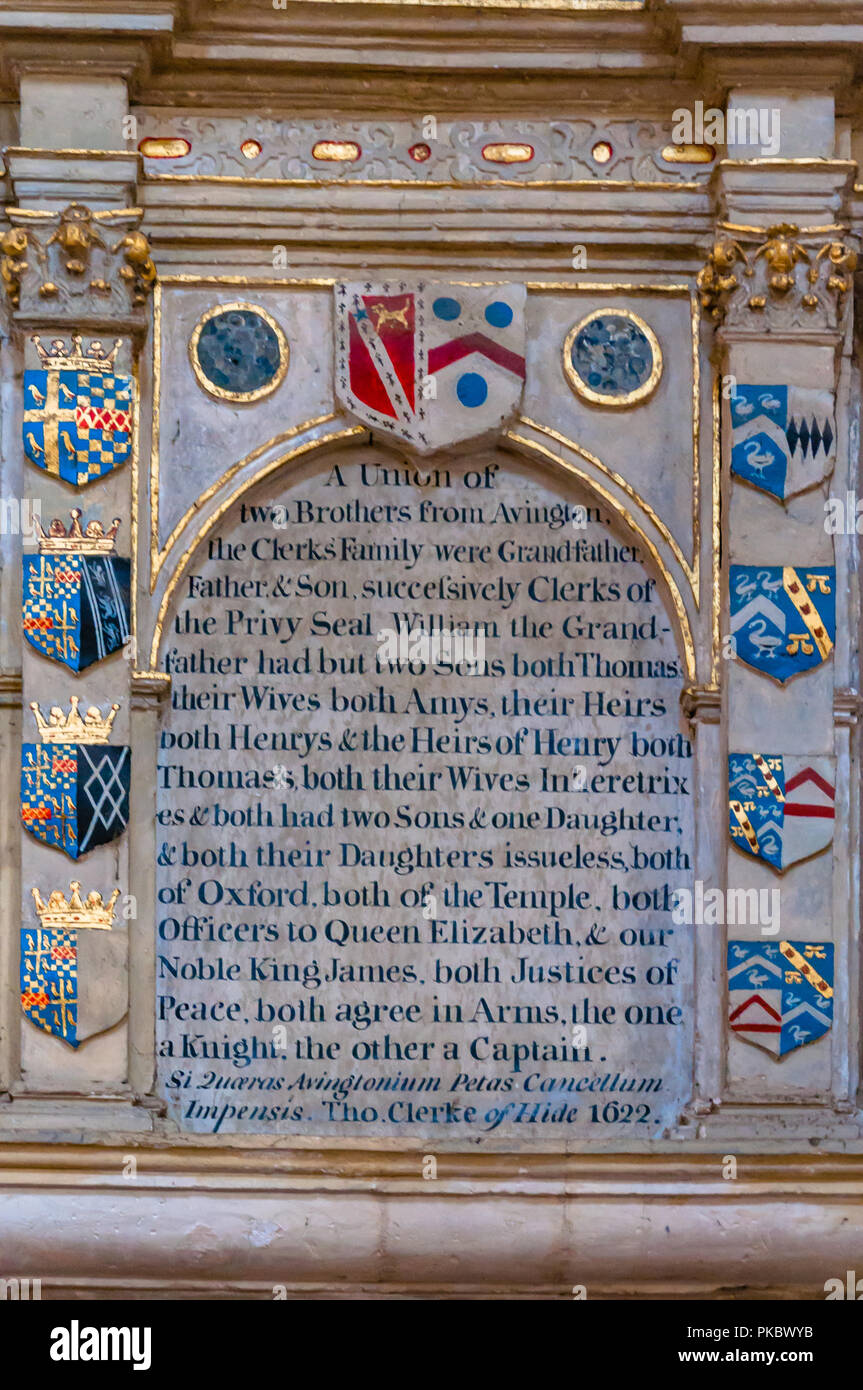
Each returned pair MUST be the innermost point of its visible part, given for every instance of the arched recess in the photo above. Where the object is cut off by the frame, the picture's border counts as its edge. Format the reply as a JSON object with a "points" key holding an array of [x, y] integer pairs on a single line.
{"points": [[525, 440]]}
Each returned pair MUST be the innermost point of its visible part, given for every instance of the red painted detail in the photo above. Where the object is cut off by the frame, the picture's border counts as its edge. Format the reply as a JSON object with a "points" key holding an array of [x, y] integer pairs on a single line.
{"points": [[809, 774], [756, 1027], [393, 318], [457, 348], [365, 381]]}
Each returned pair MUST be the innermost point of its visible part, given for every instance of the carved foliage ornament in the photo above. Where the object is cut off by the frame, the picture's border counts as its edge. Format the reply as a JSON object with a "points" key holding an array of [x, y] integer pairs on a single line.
{"points": [[69, 257], [788, 273]]}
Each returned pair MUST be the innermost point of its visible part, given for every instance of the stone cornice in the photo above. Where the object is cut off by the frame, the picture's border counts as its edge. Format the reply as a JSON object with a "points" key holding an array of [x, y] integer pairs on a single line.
{"points": [[194, 51], [216, 1167]]}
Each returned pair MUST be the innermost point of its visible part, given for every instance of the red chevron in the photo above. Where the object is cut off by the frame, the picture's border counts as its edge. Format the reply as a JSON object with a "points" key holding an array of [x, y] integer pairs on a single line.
{"points": [[756, 1027], [457, 348], [805, 808], [809, 774]]}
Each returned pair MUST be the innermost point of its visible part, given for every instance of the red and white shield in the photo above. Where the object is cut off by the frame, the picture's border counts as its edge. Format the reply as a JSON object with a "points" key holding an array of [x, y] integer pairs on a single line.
{"points": [[432, 365]]}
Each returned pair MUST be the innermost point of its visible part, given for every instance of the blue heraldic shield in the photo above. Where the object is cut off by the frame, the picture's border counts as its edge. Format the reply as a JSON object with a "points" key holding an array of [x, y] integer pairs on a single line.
{"points": [[75, 796], [780, 993], [77, 421], [783, 619], [76, 606]]}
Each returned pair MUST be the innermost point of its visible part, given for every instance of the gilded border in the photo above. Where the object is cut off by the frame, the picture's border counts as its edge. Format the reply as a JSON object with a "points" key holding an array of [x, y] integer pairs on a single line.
{"points": [[580, 386], [239, 397]]}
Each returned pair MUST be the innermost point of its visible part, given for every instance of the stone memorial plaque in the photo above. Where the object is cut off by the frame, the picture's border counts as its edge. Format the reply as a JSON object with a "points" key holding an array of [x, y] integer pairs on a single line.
{"points": [[424, 801]]}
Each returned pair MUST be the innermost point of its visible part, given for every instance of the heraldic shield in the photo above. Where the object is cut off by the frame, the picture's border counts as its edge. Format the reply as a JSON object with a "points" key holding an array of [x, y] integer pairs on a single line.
{"points": [[780, 994], [74, 787], [783, 619], [781, 808], [76, 594], [77, 412], [74, 966], [431, 365], [783, 437]]}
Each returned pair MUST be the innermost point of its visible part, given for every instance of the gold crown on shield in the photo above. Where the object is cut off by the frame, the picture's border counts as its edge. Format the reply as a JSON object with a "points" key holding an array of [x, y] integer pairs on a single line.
{"points": [[73, 727], [60, 915], [92, 540]]}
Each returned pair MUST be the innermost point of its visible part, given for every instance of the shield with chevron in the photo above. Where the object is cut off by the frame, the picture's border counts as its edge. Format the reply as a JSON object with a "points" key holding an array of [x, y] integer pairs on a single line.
{"points": [[430, 365], [783, 618], [781, 808], [783, 437], [780, 993]]}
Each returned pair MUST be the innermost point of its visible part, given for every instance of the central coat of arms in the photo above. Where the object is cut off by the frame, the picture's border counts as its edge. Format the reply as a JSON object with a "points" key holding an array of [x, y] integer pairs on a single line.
{"points": [[431, 365]]}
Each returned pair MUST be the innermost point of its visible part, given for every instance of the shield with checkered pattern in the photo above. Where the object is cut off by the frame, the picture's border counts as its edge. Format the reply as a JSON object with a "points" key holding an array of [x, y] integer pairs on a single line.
{"points": [[75, 796], [77, 422], [74, 984], [76, 607]]}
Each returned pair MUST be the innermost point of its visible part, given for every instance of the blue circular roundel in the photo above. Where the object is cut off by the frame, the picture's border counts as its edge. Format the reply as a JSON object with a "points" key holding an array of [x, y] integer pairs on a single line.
{"points": [[498, 314], [471, 389], [446, 308], [238, 352], [613, 355]]}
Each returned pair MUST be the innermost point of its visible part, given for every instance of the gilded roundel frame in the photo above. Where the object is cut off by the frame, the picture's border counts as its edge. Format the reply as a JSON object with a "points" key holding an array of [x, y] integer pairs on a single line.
{"points": [[620, 400], [222, 393]]}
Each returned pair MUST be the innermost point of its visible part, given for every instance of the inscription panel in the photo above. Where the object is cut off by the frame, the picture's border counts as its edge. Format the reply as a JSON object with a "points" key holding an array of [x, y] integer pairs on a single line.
{"points": [[423, 803]]}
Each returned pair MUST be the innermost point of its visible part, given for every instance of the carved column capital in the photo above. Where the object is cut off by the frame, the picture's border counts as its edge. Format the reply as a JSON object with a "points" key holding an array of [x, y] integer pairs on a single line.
{"points": [[782, 261], [701, 704], [80, 266]]}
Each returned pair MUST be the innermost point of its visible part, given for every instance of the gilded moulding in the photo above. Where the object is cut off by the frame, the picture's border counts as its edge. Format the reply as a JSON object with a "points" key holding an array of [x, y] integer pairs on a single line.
{"points": [[243, 309], [619, 400]]}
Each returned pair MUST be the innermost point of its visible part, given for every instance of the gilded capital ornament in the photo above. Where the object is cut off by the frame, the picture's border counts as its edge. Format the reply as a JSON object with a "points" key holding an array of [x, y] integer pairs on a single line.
{"points": [[777, 277], [68, 259]]}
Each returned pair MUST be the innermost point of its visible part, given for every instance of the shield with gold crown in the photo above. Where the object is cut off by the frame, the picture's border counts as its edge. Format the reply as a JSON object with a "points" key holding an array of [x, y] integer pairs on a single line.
{"points": [[74, 965], [74, 784], [77, 412], [76, 593]]}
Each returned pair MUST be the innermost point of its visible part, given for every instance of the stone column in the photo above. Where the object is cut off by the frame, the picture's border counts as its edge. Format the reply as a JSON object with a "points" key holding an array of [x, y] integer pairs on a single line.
{"points": [[778, 287], [78, 274]]}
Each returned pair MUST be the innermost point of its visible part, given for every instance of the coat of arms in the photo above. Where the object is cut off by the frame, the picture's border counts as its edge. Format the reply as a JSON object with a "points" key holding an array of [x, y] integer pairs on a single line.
{"points": [[783, 437], [74, 979], [76, 594], [783, 619], [431, 365], [781, 807], [74, 785], [77, 412], [780, 994]]}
